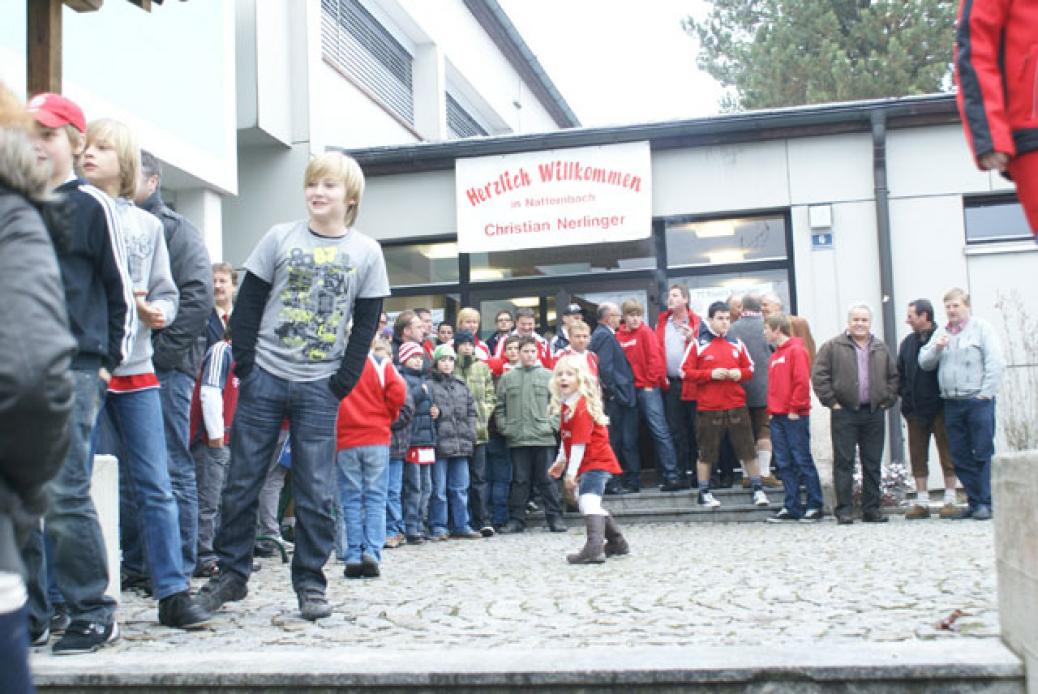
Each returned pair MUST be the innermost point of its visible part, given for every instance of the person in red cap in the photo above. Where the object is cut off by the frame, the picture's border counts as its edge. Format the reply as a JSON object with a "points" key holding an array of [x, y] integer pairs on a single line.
{"points": [[99, 297], [997, 74]]}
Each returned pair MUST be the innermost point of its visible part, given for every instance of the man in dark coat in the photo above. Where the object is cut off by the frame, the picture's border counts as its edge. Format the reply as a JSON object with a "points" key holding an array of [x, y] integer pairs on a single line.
{"points": [[617, 382]]}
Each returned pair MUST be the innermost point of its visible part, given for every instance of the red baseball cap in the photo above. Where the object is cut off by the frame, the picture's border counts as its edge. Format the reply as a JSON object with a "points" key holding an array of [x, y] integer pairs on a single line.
{"points": [[54, 111]]}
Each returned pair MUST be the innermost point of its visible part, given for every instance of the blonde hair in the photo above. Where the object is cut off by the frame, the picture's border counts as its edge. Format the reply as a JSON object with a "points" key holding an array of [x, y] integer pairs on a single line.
{"points": [[957, 293], [338, 166], [13, 115], [587, 387], [121, 138], [579, 326], [467, 314]]}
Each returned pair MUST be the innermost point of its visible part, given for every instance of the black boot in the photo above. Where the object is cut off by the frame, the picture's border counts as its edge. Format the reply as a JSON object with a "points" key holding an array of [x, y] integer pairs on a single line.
{"points": [[592, 552], [616, 543]]}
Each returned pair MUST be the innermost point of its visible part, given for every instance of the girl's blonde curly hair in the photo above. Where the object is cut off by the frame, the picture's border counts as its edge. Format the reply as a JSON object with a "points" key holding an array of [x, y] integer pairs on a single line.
{"points": [[587, 386]]}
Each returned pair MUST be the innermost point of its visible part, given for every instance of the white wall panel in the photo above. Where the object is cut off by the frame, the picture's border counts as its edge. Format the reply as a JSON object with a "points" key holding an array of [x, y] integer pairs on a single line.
{"points": [[830, 169], [932, 161], [407, 206]]}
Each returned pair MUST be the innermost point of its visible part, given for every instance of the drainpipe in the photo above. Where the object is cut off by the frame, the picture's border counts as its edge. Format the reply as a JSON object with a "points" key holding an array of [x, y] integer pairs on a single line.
{"points": [[886, 266]]}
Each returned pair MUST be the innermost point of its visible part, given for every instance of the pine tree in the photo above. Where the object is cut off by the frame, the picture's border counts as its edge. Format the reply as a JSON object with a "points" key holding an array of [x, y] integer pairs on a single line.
{"points": [[775, 53]]}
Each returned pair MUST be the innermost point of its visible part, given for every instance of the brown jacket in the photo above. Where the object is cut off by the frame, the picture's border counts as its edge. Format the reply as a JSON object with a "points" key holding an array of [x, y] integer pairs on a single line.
{"points": [[835, 374]]}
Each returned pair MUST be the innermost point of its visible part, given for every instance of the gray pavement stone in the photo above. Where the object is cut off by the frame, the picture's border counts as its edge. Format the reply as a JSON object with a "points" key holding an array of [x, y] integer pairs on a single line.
{"points": [[683, 584]]}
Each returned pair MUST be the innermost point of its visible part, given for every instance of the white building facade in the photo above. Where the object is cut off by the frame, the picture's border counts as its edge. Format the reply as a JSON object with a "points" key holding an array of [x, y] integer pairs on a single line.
{"points": [[791, 201]]}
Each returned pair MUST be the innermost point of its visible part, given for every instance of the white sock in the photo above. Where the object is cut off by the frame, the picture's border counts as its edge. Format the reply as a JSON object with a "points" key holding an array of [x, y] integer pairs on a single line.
{"points": [[764, 462], [949, 495]]}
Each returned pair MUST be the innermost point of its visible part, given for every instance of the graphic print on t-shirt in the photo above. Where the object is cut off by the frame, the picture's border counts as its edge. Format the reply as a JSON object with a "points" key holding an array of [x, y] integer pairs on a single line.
{"points": [[313, 303]]}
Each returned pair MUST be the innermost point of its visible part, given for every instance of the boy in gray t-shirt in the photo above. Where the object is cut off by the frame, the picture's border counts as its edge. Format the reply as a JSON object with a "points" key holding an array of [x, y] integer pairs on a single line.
{"points": [[306, 313]]}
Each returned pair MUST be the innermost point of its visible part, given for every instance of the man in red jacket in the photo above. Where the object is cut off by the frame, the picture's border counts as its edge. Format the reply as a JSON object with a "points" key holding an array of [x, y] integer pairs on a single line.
{"points": [[650, 374], [676, 329], [996, 70], [718, 364], [789, 404]]}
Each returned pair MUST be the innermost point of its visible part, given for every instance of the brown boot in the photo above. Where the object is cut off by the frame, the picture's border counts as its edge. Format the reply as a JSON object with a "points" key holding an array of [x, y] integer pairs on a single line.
{"points": [[592, 552], [917, 512], [616, 544]]}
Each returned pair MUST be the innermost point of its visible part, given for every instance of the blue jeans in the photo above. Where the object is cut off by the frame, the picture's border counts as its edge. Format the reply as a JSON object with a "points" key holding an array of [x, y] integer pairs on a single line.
{"points": [[417, 490], [362, 491], [791, 451], [14, 653], [264, 400], [499, 479], [450, 490], [970, 424], [137, 421], [593, 482], [177, 388], [80, 559], [394, 506], [650, 405]]}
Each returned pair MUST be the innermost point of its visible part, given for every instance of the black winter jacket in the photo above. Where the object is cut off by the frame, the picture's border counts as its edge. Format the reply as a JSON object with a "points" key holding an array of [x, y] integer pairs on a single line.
{"points": [[182, 344], [614, 370], [401, 430], [456, 424], [36, 387], [423, 428], [919, 389]]}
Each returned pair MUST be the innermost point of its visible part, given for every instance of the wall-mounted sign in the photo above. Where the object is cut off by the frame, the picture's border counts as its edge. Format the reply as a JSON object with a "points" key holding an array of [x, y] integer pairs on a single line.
{"points": [[561, 197], [821, 241]]}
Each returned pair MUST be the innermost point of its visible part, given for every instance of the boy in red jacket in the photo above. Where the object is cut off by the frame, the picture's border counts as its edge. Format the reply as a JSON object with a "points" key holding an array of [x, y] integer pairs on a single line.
{"points": [[718, 364], [362, 440], [650, 375], [789, 404]]}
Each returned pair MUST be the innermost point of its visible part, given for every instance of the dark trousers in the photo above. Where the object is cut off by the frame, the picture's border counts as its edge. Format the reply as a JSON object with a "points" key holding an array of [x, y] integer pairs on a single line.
{"points": [[623, 437], [478, 490], [14, 653], [530, 466], [681, 419], [971, 437], [861, 430]]}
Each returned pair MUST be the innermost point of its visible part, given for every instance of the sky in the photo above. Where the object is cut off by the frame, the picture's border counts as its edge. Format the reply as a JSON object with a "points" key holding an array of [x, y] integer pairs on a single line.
{"points": [[617, 61]]}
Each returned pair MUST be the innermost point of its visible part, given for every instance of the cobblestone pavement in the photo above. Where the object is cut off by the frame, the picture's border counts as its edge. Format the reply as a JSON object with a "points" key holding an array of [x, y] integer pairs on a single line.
{"points": [[683, 584]]}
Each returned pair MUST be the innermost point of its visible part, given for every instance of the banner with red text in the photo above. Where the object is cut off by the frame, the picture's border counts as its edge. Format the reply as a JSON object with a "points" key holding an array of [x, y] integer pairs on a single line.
{"points": [[560, 197]]}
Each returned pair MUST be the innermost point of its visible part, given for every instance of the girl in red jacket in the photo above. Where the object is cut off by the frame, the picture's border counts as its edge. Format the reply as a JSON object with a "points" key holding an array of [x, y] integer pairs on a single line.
{"points": [[362, 440], [789, 404], [586, 456]]}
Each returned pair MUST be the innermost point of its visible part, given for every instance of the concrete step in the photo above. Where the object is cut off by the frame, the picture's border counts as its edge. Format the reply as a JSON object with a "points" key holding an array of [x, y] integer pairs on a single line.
{"points": [[921, 667]]}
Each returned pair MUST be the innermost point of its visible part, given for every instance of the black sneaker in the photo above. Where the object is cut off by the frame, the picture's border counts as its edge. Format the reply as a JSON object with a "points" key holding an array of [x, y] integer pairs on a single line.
{"points": [[487, 531], [40, 638], [265, 549], [370, 567], [557, 525], [511, 527], [224, 588], [783, 516], [415, 540], [181, 612], [85, 637], [812, 515], [59, 621], [532, 507], [672, 486], [313, 605], [354, 570], [876, 517]]}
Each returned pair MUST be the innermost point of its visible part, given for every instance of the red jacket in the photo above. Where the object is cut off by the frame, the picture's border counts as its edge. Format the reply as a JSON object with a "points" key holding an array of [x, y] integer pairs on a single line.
{"points": [[366, 414], [644, 355], [789, 379], [543, 350], [715, 352], [688, 386], [996, 70]]}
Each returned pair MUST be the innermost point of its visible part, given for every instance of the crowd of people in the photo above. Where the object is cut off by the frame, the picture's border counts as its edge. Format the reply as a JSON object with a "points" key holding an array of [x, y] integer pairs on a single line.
{"points": [[128, 340]]}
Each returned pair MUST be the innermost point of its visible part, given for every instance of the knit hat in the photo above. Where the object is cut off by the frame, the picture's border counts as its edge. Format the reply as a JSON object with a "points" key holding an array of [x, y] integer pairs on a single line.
{"points": [[408, 350], [463, 336], [444, 351]]}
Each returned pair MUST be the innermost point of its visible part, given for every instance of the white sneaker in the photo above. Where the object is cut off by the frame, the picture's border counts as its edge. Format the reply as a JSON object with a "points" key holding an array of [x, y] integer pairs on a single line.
{"points": [[760, 498], [707, 499]]}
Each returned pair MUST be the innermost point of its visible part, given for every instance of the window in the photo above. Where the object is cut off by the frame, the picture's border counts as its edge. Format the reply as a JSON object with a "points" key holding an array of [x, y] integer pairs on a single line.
{"points": [[725, 241], [444, 307], [460, 123], [363, 49], [995, 219], [425, 263], [706, 289], [564, 260]]}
